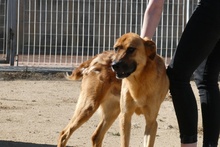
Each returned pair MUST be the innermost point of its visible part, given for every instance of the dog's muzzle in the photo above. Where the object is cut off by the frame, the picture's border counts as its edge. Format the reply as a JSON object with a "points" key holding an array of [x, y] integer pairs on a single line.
{"points": [[123, 69]]}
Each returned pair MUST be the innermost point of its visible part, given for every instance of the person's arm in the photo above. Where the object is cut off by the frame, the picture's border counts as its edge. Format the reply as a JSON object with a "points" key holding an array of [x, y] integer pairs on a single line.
{"points": [[152, 17]]}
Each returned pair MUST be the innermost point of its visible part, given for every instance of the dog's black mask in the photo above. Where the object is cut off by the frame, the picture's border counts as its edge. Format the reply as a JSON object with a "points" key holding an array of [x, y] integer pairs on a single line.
{"points": [[123, 69]]}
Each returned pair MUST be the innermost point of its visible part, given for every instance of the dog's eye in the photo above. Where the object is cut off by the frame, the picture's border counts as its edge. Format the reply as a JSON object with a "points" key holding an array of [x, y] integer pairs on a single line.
{"points": [[116, 49], [130, 50]]}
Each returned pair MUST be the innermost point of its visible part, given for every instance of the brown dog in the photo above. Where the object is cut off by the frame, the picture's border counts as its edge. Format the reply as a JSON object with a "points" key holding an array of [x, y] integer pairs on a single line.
{"points": [[144, 85], [99, 88]]}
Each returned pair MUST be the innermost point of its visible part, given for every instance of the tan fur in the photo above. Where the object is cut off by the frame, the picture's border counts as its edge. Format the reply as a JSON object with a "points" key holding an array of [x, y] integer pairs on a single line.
{"points": [[142, 92], [99, 88], [145, 89]]}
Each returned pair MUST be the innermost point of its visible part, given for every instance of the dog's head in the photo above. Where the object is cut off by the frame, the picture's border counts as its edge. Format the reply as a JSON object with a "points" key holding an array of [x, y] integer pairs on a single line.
{"points": [[132, 52]]}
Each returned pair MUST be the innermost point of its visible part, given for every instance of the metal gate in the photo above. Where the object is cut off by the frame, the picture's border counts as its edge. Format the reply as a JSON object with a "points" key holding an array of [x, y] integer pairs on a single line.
{"points": [[3, 15], [7, 25], [64, 33]]}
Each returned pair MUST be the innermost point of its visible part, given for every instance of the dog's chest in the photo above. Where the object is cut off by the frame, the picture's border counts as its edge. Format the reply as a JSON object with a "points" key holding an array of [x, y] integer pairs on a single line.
{"points": [[140, 93], [140, 97]]}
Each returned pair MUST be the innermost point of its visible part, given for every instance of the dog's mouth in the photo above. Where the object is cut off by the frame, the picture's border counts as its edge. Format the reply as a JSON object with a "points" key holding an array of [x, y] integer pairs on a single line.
{"points": [[123, 70], [122, 75]]}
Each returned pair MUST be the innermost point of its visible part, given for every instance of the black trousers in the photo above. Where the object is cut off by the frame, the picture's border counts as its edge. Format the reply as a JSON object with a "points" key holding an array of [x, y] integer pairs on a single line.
{"points": [[200, 42], [205, 78]]}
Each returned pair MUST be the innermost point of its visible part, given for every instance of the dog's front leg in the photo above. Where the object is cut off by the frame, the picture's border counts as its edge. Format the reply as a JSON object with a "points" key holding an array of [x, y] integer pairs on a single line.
{"points": [[127, 109], [151, 125], [125, 123], [150, 134]]}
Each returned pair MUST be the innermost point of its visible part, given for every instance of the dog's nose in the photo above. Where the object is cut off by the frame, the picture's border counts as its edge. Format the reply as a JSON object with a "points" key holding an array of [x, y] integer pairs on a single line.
{"points": [[115, 65]]}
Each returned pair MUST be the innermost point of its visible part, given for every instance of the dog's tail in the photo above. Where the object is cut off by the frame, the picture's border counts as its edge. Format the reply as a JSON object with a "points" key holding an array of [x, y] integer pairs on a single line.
{"points": [[77, 73]]}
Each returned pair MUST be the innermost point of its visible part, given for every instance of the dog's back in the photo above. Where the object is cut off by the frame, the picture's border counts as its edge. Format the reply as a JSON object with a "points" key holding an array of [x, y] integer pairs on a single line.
{"points": [[99, 64]]}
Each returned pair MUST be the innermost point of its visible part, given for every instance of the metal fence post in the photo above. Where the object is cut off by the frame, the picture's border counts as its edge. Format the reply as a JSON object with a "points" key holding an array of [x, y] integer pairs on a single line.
{"points": [[11, 30]]}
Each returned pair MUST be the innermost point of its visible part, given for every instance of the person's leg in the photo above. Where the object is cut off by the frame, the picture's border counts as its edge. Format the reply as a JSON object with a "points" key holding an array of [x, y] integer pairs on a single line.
{"points": [[197, 42], [206, 78]]}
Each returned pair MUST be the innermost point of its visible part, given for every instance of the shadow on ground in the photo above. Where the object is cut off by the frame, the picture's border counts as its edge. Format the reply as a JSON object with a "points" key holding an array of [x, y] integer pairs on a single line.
{"points": [[8, 143], [5, 143]]}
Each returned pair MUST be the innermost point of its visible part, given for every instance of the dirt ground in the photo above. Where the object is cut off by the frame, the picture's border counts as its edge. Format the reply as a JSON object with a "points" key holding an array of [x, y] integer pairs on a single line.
{"points": [[35, 107]]}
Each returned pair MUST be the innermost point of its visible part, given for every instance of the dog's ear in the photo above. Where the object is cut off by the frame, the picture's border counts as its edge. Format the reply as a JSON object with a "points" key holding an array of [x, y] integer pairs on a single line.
{"points": [[150, 48]]}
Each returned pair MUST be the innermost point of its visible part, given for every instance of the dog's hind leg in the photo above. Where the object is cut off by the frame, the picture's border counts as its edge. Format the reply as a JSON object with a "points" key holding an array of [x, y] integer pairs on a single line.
{"points": [[110, 110], [86, 106]]}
